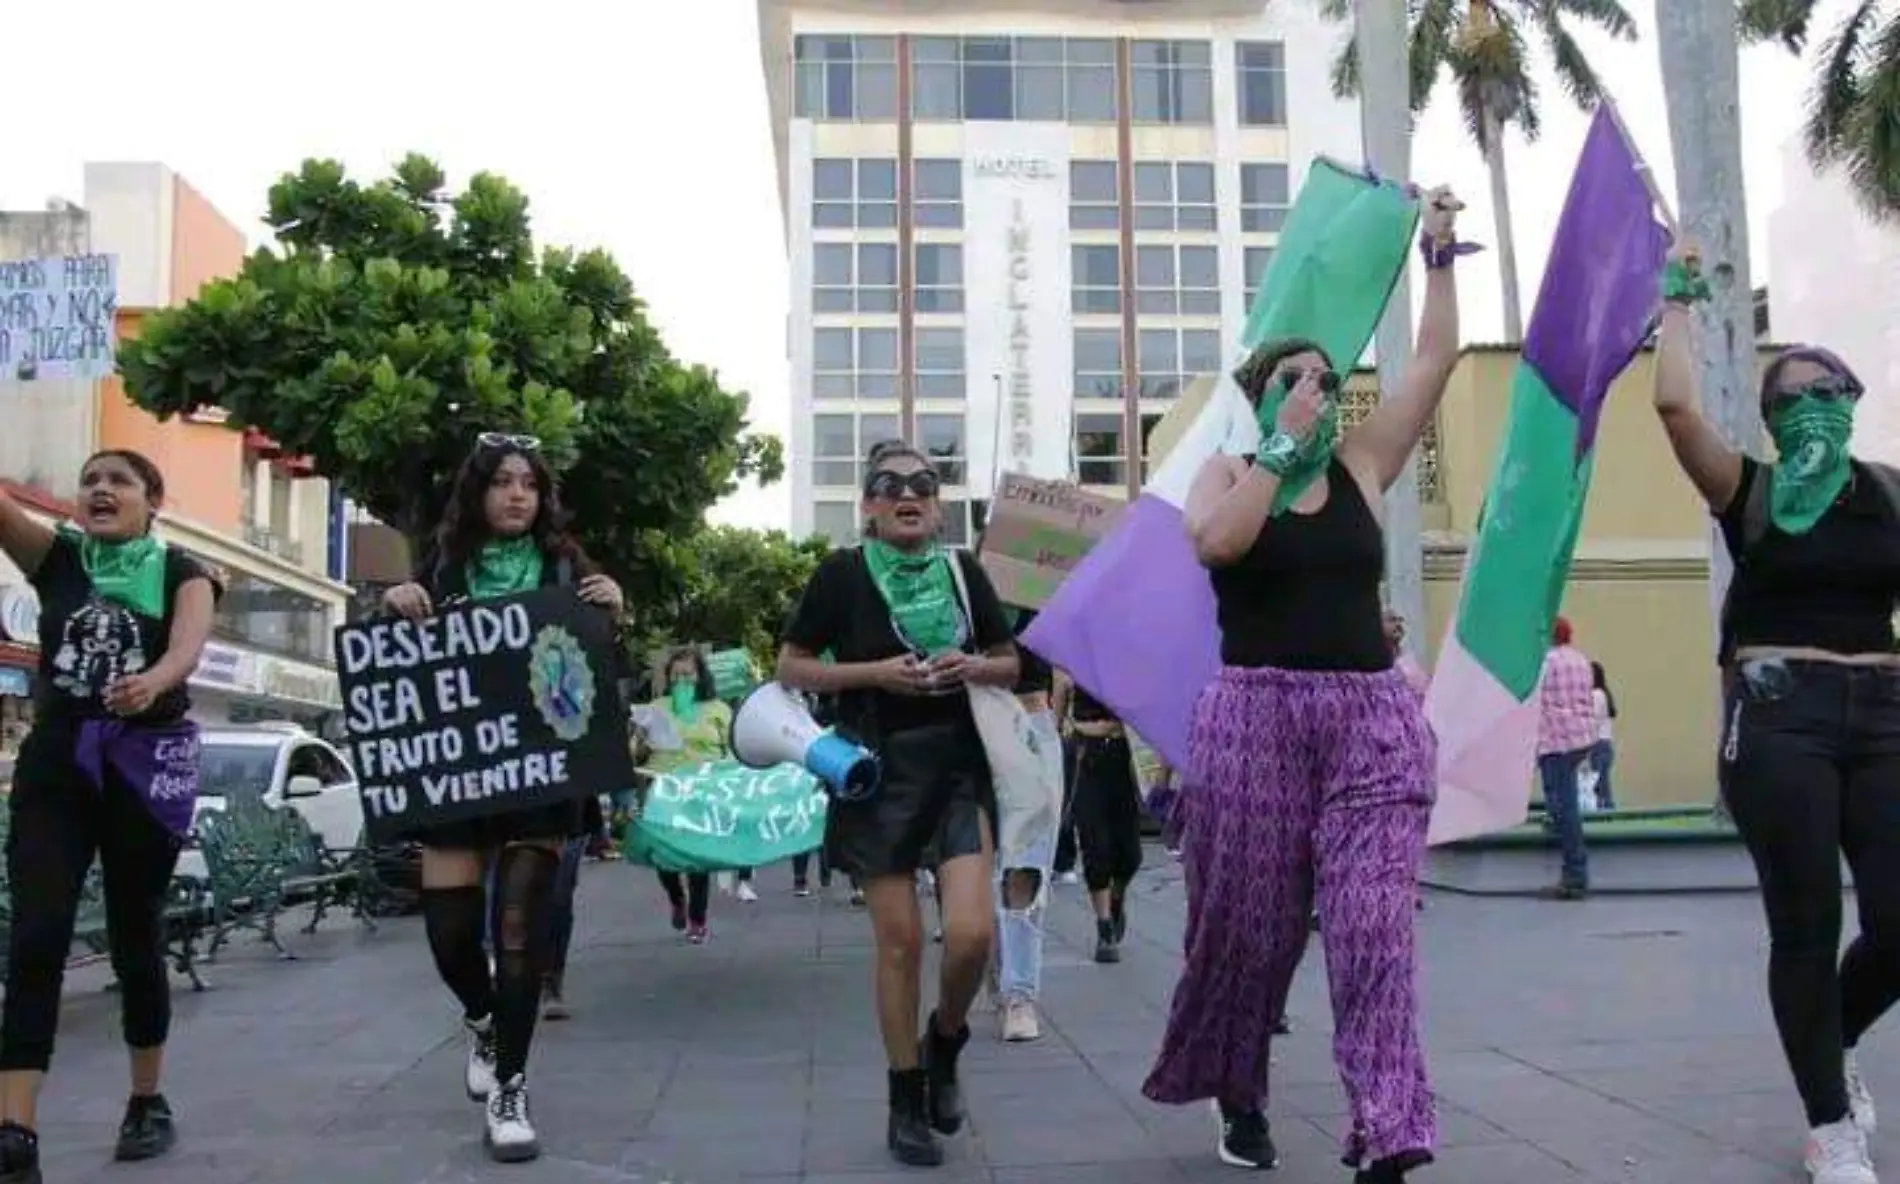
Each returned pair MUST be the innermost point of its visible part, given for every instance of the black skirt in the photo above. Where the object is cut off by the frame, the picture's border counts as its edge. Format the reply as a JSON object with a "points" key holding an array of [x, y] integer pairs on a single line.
{"points": [[557, 821], [935, 803]]}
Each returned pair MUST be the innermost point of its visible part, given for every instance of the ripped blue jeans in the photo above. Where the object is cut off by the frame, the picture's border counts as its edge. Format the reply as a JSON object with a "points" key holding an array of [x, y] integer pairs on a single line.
{"points": [[1019, 931]]}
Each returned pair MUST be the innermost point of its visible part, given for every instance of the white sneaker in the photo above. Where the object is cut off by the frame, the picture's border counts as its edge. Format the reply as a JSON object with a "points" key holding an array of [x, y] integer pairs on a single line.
{"points": [[1837, 1154], [1068, 878], [479, 1076], [745, 892], [509, 1136], [1020, 1023], [1859, 1100], [723, 881]]}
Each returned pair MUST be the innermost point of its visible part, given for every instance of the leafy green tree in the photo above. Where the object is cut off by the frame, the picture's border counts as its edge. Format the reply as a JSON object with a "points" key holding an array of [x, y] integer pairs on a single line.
{"points": [[726, 587], [1853, 120], [1486, 47], [393, 323]]}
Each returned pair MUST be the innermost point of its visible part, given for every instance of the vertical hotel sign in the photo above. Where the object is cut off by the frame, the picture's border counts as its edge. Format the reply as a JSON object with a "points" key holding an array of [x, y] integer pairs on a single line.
{"points": [[1017, 325]]}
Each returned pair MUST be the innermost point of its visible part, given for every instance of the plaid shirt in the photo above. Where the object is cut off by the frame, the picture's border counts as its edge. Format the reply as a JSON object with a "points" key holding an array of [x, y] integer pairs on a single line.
{"points": [[1566, 712]]}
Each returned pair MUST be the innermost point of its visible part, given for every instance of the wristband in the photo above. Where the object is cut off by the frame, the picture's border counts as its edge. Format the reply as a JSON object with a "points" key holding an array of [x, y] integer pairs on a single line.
{"points": [[1683, 285], [1440, 254]]}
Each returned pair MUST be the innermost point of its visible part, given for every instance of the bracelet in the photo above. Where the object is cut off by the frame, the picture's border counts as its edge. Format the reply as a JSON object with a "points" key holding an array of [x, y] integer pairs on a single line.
{"points": [[1440, 254]]}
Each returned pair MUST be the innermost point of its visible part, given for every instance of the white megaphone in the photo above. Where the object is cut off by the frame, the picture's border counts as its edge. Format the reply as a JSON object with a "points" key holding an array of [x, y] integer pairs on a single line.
{"points": [[772, 727]]}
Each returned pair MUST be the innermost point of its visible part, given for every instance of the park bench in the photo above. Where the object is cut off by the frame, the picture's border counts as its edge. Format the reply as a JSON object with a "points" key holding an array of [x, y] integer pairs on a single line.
{"points": [[259, 859]]}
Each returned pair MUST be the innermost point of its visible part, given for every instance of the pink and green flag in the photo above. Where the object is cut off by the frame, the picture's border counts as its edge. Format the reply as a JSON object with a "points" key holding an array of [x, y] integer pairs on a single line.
{"points": [[1594, 311]]}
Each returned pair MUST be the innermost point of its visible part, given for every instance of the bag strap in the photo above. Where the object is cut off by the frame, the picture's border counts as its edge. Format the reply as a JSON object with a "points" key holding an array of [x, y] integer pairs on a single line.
{"points": [[954, 557]]}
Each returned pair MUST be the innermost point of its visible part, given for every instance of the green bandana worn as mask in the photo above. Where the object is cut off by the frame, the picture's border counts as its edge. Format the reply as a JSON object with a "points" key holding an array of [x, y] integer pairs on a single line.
{"points": [[504, 567], [130, 572], [683, 697], [921, 594], [1314, 454], [1812, 464]]}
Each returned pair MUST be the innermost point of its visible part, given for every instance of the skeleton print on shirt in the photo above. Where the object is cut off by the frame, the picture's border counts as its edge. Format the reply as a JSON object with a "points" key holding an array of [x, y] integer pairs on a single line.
{"points": [[99, 645]]}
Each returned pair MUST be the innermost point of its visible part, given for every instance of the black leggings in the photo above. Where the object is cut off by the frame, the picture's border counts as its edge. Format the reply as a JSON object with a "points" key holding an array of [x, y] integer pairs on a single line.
{"points": [[60, 820], [1107, 812], [1811, 771], [454, 919], [693, 895]]}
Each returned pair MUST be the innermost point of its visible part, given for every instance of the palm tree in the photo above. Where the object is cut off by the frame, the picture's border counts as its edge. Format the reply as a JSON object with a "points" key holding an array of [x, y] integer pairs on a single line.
{"points": [[1854, 106], [1486, 46]]}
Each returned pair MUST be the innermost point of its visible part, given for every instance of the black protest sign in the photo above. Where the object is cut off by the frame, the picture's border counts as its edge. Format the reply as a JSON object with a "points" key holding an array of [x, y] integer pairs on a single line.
{"points": [[482, 709]]}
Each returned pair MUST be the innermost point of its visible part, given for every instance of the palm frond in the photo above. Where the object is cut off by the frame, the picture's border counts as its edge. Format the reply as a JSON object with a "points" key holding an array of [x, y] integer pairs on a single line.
{"points": [[1435, 24], [1492, 66], [1608, 15], [1869, 152], [1838, 87], [1345, 72], [1574, 71], [1786, 21], [1335, 10]]}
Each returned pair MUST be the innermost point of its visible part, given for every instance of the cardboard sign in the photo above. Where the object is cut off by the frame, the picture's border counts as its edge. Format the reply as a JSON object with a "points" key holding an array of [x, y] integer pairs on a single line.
{"points": [[723, 816], [481, 709], [1037, 532]]}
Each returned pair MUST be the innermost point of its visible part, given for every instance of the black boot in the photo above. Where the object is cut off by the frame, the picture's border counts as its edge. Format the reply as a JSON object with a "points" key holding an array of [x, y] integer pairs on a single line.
{"points": [[19, 1155], [1392, 1169], [148, 1130], [939, 1056], [908, 1132]]}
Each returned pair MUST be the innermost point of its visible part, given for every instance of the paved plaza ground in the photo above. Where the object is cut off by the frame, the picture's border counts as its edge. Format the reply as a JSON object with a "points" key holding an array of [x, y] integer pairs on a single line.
{"points": [[1616, 1040]]}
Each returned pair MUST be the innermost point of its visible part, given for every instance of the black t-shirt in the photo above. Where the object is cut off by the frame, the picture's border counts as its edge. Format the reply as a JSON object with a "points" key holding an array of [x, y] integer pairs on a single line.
{"points": [[1037, 677], [1833, 588], [86, 642], [842, 611]]}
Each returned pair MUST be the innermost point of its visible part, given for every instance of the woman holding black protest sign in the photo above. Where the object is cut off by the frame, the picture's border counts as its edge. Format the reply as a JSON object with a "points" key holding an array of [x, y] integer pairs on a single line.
{"points": [[110, 768], [501, 535], [908, 639]]}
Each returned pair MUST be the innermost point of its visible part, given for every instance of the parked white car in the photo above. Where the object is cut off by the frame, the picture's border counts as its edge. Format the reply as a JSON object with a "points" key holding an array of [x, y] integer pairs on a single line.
{"points": [[286, 766]]}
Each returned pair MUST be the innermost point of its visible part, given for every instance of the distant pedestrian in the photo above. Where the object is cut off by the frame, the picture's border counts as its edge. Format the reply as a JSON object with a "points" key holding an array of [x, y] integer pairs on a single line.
{"points": [[1566, 738], [1603, 756]]}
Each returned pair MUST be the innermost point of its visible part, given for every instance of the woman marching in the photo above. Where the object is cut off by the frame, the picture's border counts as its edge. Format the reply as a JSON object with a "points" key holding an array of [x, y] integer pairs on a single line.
{"points": [[1022, 890], [1311, 758], [501, 535], [692, 703], [1106, 807], [110, 768], [906, 642], [1810, 756]]}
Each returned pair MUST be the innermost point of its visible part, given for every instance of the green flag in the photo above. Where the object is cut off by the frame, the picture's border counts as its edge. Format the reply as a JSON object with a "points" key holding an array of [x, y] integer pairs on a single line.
{"points": [[723, 816]]}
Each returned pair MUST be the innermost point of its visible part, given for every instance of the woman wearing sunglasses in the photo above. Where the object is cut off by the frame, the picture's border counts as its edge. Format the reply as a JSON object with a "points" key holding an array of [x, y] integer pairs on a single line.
{"points": [[1809, 761], [501, 535], [1312, 760], [905, 643]]}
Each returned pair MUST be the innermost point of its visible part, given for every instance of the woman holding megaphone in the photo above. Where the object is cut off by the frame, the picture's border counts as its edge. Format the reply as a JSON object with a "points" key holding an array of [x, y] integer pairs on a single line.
{"points": [[500, 535], [906, 644]]}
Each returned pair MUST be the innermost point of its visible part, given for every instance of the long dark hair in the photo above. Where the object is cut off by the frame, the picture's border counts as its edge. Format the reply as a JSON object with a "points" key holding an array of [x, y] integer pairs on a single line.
{"points": [[1256, 373], [465, 522], [705, 689], [1602, 683]]}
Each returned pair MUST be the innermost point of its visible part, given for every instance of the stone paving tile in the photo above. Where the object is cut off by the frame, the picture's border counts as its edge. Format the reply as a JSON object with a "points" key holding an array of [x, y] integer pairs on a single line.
{"points": [[1617, 1040]]}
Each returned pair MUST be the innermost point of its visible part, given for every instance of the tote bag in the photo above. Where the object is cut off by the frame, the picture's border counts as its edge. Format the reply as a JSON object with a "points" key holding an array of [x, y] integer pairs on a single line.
{"points": [[1024, 766]]}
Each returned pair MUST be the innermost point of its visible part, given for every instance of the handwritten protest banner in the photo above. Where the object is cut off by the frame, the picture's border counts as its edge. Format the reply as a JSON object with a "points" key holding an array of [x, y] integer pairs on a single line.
{"points": [[722, 816], [481, 709], [1037, 531], [57, 318]]}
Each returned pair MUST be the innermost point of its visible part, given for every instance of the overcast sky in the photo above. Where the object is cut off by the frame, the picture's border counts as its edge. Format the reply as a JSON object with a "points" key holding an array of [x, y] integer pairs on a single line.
{"points": [[640, 127]]}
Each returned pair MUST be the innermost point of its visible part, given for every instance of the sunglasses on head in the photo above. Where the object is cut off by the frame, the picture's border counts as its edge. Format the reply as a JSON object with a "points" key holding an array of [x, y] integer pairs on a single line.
{"points": [[1328, 380], [1828, 387], [889, 486], [504, 440]]}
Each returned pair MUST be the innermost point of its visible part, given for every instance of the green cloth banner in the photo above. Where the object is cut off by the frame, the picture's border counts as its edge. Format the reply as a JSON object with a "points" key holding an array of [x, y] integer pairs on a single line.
{"points": [[723, 816], [732, 674]]}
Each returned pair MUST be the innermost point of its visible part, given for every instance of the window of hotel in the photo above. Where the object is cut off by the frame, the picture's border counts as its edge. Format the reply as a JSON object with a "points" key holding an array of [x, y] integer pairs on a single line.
{"points": [[1169, 359], [1174, 196], [847, 194], [1050, 79], [1173, 81], [1098, 363], [1263, 196], [937, 194], [1183, 281], [836, 521], [1096, 278], [840, 442], [1094, 203], [1099, 457], [940, 366], [854, 363], [845, 77], [1262, 76], [1254, 263], [854, 277], [939, 279], [941, 438]]}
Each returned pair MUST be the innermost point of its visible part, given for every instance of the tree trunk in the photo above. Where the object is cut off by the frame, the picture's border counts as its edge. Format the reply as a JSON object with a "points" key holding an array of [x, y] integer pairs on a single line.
{"points": [[1696, 42], [1385, 115], [1506, 232]]}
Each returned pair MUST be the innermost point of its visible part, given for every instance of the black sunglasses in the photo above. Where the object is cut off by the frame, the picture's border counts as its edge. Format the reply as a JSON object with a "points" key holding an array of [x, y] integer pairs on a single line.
{"points": [[504, 440], [1833, 386], [889, 486], [1328, 380]]}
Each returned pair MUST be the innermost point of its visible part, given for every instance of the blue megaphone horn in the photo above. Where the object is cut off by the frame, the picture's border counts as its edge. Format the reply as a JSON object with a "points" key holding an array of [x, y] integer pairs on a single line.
{"points": [[773, 727]]}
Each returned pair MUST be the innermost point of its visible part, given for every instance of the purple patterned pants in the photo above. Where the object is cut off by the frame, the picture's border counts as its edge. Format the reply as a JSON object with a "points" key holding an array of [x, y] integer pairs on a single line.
{"points": [[1306, 783]]}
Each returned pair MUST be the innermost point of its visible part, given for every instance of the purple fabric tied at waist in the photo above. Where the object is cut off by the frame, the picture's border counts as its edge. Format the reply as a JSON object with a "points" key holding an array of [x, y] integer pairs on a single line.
{"points": [[159, 762]]}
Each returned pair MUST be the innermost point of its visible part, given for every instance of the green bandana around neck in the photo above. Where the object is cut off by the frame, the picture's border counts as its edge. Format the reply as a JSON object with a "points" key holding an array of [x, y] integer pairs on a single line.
{"points": [[130, 572], [1314, 455], [504, 567], [683, 697], [1812, 465], [921, 593]]}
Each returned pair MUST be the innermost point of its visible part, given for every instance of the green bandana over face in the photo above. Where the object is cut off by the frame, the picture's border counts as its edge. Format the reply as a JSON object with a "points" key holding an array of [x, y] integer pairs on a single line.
{"points": [[1314, 454], [921, 593], [1811, 466], [130, 572], [683, 698], [504, 567]]}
